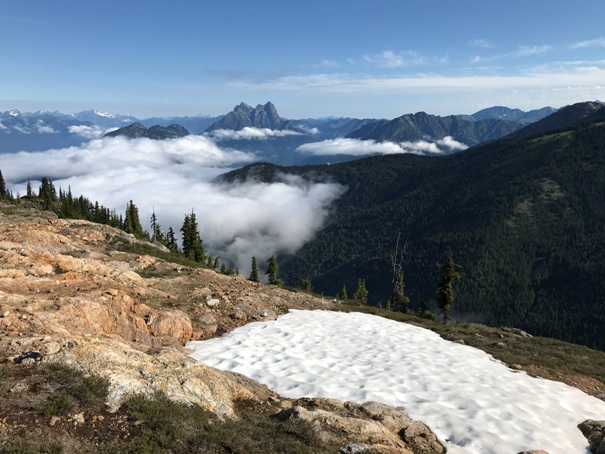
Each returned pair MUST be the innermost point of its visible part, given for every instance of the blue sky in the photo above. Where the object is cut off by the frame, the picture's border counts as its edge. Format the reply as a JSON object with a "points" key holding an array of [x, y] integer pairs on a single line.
{"points": [[380, 58]]}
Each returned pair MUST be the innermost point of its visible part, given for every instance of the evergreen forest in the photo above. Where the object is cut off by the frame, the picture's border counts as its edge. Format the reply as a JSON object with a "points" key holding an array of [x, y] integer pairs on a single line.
{"points": [[524, 217]]}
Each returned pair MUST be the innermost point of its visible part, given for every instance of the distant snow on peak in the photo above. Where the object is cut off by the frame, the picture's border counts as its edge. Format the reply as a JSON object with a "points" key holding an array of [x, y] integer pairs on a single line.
{"points": [[104, 119]]}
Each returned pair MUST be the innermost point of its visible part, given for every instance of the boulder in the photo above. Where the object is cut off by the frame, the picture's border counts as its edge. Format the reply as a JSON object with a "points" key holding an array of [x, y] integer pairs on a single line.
{"points": [[594, 431], [382, 428]]}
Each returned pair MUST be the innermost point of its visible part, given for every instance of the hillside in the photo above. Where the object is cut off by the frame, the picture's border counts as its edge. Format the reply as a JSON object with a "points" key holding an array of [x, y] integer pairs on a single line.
{"points": [[92, 328], [524, 218], [92, 324], [565, 118]]}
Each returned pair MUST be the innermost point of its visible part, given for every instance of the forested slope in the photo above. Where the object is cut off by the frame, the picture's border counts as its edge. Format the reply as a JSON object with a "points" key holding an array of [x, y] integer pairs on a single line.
{"points": [[524, 217]]}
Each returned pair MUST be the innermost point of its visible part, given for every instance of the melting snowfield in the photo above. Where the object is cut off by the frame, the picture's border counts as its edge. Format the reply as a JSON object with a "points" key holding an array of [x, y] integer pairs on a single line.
{"points": [[471, 401]]}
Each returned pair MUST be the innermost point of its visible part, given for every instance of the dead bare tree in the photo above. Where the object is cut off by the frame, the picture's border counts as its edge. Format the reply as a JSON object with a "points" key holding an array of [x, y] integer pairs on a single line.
{"points": [[399, 301]]}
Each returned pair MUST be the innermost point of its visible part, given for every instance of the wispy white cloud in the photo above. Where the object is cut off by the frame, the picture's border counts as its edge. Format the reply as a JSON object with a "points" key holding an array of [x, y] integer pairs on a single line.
{"points": [[528, 51], [173, 177], [355, 83], [249, 133], [480, 42], [390, 59], [329, 64], [355, 147], [597, 42]]}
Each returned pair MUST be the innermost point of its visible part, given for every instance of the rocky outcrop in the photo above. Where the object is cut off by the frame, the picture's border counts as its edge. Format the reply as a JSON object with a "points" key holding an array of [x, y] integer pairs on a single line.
{"points": [[70, 294], [384, 428], [594, 431]]}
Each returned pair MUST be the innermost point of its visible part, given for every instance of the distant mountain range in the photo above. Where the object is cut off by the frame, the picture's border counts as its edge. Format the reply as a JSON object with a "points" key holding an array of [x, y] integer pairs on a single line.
{"points": [[523, 215], [39, 131], [196, 124], [104, 120]]}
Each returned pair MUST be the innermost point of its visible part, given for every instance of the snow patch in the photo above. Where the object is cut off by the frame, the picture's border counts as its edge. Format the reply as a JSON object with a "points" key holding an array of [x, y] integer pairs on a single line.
{"points": [[472, 402]]}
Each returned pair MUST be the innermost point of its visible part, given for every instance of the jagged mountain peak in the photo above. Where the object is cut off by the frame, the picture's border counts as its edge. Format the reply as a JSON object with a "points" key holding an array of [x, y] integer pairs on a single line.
{"points": [[244, 115]]}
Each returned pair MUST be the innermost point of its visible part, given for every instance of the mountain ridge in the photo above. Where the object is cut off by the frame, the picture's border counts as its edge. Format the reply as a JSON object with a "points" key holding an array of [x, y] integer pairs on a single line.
{"points": [[137, 130], [509, 211], [423, 126]]}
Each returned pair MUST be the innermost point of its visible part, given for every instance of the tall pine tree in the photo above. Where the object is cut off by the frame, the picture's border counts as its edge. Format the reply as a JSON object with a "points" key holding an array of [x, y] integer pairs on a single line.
{"points": [[3, 193], [361, 294], [47, 194], [132, 223], [171, 243], [156, 229], [193, 246], [445, 292], [254, 272], [272, 271]]}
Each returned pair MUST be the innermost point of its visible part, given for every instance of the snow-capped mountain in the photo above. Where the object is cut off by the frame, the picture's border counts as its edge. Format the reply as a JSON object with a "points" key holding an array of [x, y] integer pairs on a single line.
{"points": [[103, 119]]}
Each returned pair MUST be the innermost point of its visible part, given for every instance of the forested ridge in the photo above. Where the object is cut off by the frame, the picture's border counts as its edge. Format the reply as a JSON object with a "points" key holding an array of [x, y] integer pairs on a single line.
{"points": [[524, 217]]}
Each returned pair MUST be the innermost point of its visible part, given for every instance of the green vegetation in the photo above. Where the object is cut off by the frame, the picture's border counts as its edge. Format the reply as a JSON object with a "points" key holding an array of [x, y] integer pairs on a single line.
{"points": [[193, 246], [445, 291], [306, 285], [524, 217], [142, 425], [272, 271], [254, 270], [361, 294]]}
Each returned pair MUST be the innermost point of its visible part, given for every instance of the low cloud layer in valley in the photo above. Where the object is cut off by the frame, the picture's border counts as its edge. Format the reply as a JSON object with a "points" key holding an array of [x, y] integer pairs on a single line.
{"points": [[173, 177], [249, 133], [356, 147]]}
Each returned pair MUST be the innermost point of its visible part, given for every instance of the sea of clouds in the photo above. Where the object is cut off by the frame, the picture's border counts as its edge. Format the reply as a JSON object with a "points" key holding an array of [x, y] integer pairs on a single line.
{"points": [[174, 177]]}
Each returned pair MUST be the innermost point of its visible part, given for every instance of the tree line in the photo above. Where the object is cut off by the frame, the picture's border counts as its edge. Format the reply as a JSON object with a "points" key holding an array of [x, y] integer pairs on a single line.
{"points": [[65, 205]]}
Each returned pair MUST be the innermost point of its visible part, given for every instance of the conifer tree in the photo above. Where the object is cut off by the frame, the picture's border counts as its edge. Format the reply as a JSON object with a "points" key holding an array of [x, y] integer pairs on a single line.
{"points": [[272, 271], [171, 243], [193, 246], [216, 263], [445, 292], [254, 272], [306, 285], [28, 189], [3, 193], [156, 229], [399, 301], [344, 293], [47, 194], [361, 294], [132, 223]]}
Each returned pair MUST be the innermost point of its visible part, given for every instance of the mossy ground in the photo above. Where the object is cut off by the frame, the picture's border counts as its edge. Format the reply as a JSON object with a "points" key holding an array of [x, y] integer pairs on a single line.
{"points": [[53, 409]]}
